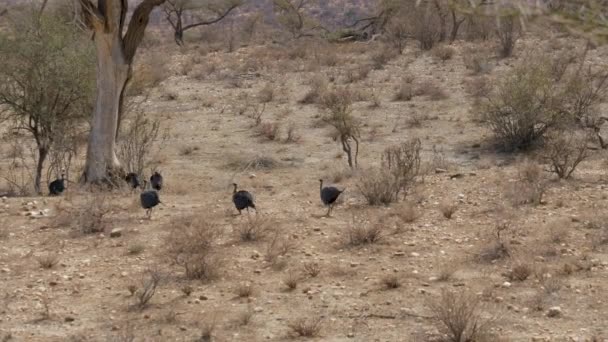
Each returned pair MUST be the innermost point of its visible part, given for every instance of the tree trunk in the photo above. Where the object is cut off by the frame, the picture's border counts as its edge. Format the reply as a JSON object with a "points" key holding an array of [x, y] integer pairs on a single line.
{"points": [[42, 153], [102, 165]]}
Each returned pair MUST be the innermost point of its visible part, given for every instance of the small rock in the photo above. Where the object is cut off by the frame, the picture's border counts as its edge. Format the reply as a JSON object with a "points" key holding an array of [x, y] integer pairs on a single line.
{"points": [[258, 309], [399, 253], [554, 311], [116, 232], [414, 254], [69, 319], [350, 335], [439, 170], [5, 270], [506, 284]]}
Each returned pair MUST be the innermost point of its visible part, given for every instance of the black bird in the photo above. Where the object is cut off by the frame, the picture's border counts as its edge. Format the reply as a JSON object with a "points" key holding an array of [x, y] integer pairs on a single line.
{"points": [[57, 186], [156, 180], [133, 179], [149, 199], [242, 199], [329, 195]]}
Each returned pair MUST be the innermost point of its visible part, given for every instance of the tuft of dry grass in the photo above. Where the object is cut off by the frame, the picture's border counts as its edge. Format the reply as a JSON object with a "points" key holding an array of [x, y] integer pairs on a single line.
{"points": [[520, 272], [291, 280], [191, 244], [187, 290], [448, 209], [530, 187], [48, 260], [269, 130], [390, 281], [136, 248], [312, 269], [431, 90], [405, 92], [244, 290], [458, 315], [242, 163], [244, 317], [277, 249], [306, 326], [187, 150], [362, 232], [443, 52], [407, 212], [267, 93], [147, 289], [254, 229], [318, 86]]}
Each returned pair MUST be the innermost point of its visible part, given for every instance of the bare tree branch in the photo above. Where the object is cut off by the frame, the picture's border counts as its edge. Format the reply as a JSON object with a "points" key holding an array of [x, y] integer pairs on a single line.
{"points": [[137, 27]]}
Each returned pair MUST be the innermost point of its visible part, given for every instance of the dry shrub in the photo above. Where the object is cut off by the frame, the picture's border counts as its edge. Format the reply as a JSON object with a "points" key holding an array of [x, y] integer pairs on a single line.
{"points": [[446, 272], [363, 232], [380, 57], [525, 105], [496, 248], [254, 229], [91, 217], [187, 290], [338, 106], [318, 86], [391, 281], [147, 288], [478, 62], [403, 163], [407, 213], [186, 150], [338, 174], [520, 272], [312, 269], [48, 260], [564, 151], [245, 316], [448, 209], [292, 134], [291, 280], [378, 186], [477, 86], [458, 315], [191, 244], [431, 90], [405, 92], [508, 32], [443, 52], [530, 186], [244, 290], [307, 326], [277, 249], [358, 73], [269, 130], [267, 93], [243, 163]]}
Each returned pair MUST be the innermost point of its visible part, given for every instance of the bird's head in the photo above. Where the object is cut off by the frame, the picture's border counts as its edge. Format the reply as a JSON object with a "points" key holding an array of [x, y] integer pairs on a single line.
{"points": [[235, 186]]}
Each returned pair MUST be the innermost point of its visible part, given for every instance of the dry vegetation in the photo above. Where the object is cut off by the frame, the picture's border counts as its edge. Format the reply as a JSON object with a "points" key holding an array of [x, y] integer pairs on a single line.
{"points": [[474, 168]]}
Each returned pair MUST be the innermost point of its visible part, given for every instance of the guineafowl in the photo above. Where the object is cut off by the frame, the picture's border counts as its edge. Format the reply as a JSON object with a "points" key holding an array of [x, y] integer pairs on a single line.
{"points": [[156, 180], [242, 199], [329, 195], [149, 199], [133, 180], [57, 186]]}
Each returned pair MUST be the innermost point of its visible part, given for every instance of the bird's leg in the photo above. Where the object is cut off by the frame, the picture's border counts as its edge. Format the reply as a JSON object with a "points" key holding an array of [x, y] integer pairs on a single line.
{"points": [[328, 211]]}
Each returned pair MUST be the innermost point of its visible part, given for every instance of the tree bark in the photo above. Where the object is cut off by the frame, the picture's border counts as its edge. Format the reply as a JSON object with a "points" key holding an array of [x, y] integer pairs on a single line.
{"points": [[42, 154]]}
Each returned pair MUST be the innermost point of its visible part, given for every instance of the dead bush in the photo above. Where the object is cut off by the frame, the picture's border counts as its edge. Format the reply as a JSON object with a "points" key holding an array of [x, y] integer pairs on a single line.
{"points": [[91, 217], [277, 249], [363, 232], [307, 326], [381, 56], [508, 32], [478, 62], [564, 151], [496, 248], [448, 209], [431, 90], [443, 52], [48, 260], [391, 281], [458, 315], [244, 290], [243, 163], [530, 186], [254, 229], [523, 107], [187, 290], [291, 280], [407, 213], [318, 86], [245, 316], [405, 92], [191, 244], [520, 272], [378, 186], [403, 163], [312, 269], [292, 134], [186, 150], [147, 288], [358, 73], [269, 130], [338, 105]]}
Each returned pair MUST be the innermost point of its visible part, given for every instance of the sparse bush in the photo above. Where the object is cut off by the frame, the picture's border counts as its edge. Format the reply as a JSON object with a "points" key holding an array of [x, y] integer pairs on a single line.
{"points": [[443, 53], [147, 290], [391, 281], [318, 87], [458, 315], [403, 163], [244, 290], [508, 31], [270, 130], [448, 209], [292, 135], [477, 62], [187, 290], [362, 232], [478, 86], [378, 186], [136, 248], [244, 163], [291, 280], [187, 150], [520, 272], [523, 107], [245, 316], [91, 217], [357, 73], [497, 248], [254, 229], [48, 261], [191, 245], [312, 269], [381, 56], [431, 90], [564, 151], [407, 213], [277, 248], [306, 326], [338, 104], [530, 187]]}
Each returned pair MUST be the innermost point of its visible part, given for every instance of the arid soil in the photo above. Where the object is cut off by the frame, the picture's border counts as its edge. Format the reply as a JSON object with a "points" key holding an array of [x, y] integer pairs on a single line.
{"points": [[532, 272]]}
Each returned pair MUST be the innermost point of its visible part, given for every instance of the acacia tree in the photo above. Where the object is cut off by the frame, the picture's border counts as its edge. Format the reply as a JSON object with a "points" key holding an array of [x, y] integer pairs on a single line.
{"points": [[293, 16], [116, 49], [46, 82], [202, 12]]}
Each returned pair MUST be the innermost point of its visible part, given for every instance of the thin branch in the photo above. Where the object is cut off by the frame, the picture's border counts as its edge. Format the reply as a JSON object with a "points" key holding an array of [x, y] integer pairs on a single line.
{"points": [[137, 27], [213, 21]]}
